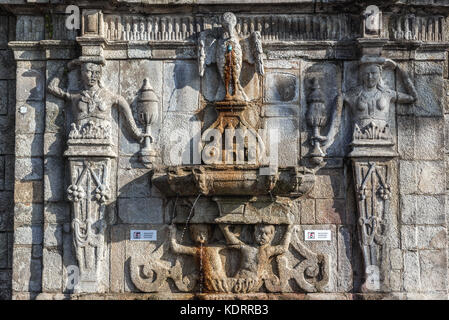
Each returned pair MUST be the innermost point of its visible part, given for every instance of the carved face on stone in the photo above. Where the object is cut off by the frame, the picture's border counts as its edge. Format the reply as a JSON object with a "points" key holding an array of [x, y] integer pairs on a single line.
{"points": [[263, 234], [229, 22], [200, 233], [91, 74], [371, 75]]}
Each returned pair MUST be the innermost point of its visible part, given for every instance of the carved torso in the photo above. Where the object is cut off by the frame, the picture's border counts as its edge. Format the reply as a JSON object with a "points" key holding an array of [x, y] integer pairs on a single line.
{"points": [[94, 106], [253, 261], [93, 116], [370, 106]]}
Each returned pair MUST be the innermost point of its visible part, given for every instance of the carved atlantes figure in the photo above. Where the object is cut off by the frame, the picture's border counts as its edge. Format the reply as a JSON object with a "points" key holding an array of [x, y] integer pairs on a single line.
{"points": [[370, 102], [229, 51], [207, 257], [255, 258], [92, 105]]}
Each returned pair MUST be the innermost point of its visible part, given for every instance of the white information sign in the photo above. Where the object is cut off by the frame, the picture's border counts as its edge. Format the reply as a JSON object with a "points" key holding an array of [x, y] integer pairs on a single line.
{"points": [[143, 235], [317, 235]]}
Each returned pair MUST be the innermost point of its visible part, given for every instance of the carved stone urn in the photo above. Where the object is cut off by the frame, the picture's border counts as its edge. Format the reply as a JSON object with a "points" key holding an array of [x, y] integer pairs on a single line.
{"points": [[148, 110]]}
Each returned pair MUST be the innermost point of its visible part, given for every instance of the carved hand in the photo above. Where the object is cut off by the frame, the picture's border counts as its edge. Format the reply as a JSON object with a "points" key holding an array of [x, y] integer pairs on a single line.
{"points": [[53, 86], [390, 64]]}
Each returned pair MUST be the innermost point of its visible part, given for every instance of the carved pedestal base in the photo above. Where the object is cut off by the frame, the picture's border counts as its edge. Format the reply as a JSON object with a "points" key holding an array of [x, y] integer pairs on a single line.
{"points": [[374, 183], [90, 193]]}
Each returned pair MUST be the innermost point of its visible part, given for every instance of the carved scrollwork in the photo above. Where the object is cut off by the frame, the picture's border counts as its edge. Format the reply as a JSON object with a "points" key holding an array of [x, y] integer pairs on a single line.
{"points": [[311, 275]]}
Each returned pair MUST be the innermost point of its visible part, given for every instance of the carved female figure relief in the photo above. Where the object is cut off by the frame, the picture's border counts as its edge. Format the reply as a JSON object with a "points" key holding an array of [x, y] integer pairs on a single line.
{"points": [[372, 156], [370, 102], [90, 153], [92, 104]]}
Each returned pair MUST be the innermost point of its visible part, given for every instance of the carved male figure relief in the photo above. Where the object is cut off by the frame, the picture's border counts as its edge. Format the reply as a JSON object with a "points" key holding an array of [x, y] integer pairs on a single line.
{"points": [[255, 257], [207, 256]]}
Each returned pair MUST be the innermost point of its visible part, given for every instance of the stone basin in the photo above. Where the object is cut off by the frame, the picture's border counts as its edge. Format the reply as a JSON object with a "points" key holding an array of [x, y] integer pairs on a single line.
{"points": [[292, 182]]}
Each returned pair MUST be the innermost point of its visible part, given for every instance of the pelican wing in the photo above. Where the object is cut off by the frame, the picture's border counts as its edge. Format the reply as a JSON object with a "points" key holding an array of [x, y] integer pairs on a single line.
{"points": [[207, 48], [257, 51], [252, 51]]}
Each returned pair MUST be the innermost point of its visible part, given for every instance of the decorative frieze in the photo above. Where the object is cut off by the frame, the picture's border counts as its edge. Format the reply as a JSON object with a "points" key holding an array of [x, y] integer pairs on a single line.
{"points": [[418, 28]]}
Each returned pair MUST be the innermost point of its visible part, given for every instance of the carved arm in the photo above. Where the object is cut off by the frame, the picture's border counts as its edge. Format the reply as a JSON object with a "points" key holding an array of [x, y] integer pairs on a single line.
{"points": [[257, 50], [202, 53], [230, 237], [177, 248], [411, 95], [54, 88], [126, 111], [283, 248]]}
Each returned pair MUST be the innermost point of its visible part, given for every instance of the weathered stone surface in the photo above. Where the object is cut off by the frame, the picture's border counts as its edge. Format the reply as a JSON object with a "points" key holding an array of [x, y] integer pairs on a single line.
{"points": [[54, 179], [57, 212], [27, 192], [134, 183], [308, 211], [329, 185], [32, 80], [433, 270], [429, 130], [412, 281], [330, 211], [422, 209], [30, 117], [52, 271], [345, 269], [3, 250], [29, 145], [396, 259], [288, 151], [181, 87], [29, 169], [28, 235], [138, 210], [27, 213], [26, 271], [53, 235]]}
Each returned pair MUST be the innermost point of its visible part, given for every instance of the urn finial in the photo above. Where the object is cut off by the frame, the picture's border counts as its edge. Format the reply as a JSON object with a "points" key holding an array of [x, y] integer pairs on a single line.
{"points": [[148, 110]]}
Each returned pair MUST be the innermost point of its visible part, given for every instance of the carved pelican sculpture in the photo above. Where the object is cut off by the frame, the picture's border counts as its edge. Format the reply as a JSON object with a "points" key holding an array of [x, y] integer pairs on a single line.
{"points": [[228, 51]]}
